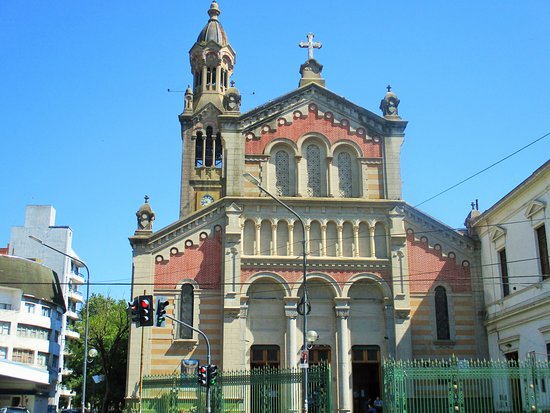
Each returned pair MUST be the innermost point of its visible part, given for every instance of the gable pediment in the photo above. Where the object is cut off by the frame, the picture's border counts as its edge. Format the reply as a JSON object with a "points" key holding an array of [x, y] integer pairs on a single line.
{"points": [[497, 234], [323, 104], [533, 208]]}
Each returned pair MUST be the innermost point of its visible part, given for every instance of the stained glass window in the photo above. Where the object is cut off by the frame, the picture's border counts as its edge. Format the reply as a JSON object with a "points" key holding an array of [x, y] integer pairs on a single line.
{"points": [[442, 314], [344, 174], [313, 157], [282, 175]]}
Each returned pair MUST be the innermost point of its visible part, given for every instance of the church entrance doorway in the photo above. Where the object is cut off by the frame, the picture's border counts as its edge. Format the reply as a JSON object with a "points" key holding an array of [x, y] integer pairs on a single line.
{"points": [[365, 376], [264, 395]]}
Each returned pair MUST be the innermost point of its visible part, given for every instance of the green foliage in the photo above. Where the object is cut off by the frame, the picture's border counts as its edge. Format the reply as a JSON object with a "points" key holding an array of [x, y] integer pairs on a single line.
{"points": [[108, 333]]}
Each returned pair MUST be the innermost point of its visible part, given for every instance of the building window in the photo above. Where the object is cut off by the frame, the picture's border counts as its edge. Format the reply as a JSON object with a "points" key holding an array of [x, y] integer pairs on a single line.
{"points": [[365, 354], [504, 272], [46, 311], [5, 328], [29, 308], [186, 311], [319, 354], [42, 359], [344, 175], [3, 353], [5, 306], [442, 314], [24, 330], [543, 252], [55, 362], [264, 356], [21, 355], [282, 176], [313, 157]]}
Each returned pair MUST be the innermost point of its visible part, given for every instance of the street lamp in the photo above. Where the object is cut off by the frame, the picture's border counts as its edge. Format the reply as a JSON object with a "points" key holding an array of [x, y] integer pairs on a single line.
{"points": [[85, 358], [303, 306]]}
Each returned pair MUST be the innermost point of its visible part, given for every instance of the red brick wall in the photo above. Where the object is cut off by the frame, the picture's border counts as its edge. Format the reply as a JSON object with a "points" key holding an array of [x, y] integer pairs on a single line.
{"points": [[201, 263], [312, 122], [427, 266]]}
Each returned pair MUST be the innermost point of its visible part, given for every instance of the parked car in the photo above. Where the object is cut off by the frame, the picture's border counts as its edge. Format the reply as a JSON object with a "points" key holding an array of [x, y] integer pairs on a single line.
{"points": [[14, 410]]}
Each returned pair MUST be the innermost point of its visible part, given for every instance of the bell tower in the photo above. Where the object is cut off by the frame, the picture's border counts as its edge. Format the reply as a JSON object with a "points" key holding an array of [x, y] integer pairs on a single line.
{"points": [[212, 59], [212, 94]]}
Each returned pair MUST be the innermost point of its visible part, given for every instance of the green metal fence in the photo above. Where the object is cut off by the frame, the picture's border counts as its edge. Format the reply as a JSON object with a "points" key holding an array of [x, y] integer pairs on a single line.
{"points": [[463, 386], [266, 390]]}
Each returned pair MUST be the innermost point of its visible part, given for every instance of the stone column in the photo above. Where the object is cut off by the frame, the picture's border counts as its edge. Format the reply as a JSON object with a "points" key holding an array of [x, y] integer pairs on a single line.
{"points": [[371, 239], [340, 251], [344, 374], [329, 177], [298, 176], [324, 240], [274, 239], [308, 238], [356, 240], [290, 239], [258, 243], [291, 330]]}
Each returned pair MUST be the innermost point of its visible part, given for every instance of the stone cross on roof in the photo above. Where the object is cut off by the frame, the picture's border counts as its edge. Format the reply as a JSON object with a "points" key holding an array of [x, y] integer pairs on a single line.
{"points": [[310, 44]]}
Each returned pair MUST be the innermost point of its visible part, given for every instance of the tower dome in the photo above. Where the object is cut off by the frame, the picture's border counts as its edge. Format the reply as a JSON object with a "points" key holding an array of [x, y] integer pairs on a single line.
{"points": [[213, 31]]}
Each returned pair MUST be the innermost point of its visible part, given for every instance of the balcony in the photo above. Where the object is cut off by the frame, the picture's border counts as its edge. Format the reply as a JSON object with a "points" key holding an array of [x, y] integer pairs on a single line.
{"points": [[72, 334], [65, 391], [75, 295], [65, 371], [72, 314], [76, 278]]}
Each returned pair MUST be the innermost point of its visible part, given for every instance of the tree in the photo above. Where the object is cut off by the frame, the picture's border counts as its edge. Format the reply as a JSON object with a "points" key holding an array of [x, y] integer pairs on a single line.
{"points": [[107, 333]]}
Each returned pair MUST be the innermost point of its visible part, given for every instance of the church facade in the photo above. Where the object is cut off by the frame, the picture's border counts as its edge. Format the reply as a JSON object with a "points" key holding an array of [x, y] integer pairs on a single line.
{"points": [[384, 280]]}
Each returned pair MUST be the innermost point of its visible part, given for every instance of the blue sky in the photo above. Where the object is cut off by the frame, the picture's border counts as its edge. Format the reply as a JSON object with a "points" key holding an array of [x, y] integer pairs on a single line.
{"points": [[87, 124]]}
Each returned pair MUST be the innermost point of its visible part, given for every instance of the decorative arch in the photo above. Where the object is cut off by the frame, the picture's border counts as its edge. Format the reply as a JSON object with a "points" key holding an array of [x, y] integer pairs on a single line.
{"points": [[346, 145], [270, 276], [382, 284], [318, 276]]}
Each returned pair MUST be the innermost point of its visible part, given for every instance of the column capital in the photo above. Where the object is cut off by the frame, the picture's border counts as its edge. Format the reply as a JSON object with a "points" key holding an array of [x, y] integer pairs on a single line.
{"points": [[342, 311]]}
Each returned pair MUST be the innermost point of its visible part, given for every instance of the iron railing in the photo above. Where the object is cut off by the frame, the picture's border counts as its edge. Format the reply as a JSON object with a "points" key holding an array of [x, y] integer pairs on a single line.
{"points": [[465, 386], [266, 390]]}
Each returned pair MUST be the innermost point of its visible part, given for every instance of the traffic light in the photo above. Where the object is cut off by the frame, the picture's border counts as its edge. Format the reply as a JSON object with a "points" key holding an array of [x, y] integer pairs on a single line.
{"points": [[212, 374], [203, 375], [145, 310], [133, 311], [161, 312]]}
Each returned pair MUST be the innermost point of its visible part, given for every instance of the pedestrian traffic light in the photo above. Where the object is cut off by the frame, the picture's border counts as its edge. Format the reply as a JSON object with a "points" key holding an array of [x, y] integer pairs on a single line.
{"points": [[146, 310], [161, 312], [203, 375], [212, 374], [133, 311]]}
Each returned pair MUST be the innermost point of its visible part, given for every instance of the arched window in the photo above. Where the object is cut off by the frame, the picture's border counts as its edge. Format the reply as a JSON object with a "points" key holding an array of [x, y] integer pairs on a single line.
{"points": [[199, 150], [313, 157], [442, 314], [282, 175], [343, 162], [186, 311]]}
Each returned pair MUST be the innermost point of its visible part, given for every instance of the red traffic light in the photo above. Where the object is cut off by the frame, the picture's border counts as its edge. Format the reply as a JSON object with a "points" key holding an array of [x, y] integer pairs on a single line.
{"points": [[144, 303]]}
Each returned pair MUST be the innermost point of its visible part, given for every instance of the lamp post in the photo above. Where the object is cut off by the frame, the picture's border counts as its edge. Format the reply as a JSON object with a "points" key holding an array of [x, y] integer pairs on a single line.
{"points": [[303, 306], [85, 358]]}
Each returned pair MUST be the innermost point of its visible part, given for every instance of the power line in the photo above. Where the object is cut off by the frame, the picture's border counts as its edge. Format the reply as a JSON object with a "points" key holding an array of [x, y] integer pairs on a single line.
{"points": [[484, 169]]}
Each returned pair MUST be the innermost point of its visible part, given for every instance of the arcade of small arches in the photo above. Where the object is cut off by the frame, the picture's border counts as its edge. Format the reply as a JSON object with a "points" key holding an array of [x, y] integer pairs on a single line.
{"points": [[325, 238]]}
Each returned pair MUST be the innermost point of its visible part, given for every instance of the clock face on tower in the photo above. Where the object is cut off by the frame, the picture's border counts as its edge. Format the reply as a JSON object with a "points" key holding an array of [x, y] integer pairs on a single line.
{"points": [[206, 199]]}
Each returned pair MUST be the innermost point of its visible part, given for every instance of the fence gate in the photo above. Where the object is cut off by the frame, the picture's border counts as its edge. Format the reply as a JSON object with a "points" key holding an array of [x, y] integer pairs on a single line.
{"points": [[464, 386]]}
